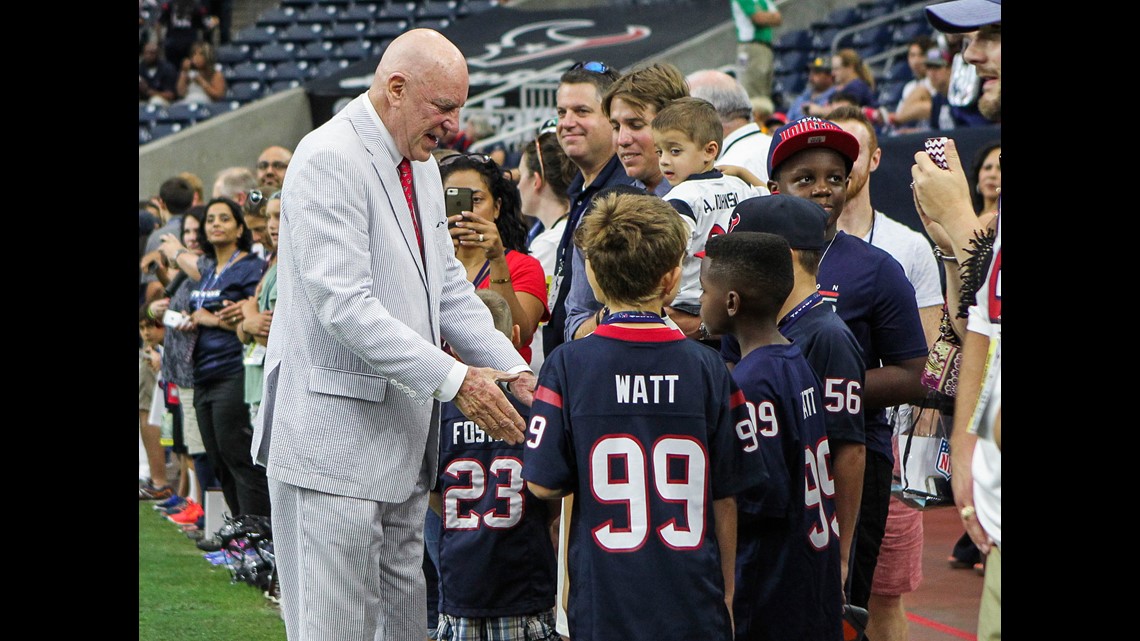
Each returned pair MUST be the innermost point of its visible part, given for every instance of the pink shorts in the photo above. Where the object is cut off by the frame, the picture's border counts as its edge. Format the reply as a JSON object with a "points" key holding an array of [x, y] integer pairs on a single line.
{"points": [[899, 569]]}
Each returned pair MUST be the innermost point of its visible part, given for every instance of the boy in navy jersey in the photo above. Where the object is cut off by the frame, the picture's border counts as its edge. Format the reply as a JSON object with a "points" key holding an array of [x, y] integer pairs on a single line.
{"points": [[648, 432], [687, 135], [787, 572], [496, 556], [824, 340]]}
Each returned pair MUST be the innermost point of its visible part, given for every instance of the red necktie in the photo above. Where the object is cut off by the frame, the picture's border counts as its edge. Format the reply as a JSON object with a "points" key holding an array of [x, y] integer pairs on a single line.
{"points": [[405, 169]]}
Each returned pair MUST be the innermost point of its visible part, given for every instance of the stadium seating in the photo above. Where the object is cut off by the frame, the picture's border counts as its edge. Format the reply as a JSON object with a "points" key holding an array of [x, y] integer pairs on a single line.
{"points": [[275, 52]]}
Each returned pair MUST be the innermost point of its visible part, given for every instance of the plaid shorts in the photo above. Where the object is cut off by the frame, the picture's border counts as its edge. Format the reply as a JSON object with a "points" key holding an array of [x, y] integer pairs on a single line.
{"points": [[530, 627]]}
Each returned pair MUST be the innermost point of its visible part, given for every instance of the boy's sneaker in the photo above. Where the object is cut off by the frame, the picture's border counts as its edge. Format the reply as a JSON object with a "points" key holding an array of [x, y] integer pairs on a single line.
{"points": [[168, 503], [150, 493]]}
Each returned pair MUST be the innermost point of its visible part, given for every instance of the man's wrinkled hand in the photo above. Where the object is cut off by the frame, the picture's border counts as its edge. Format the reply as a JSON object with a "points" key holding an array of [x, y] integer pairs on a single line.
{"points": [[481, 400]]}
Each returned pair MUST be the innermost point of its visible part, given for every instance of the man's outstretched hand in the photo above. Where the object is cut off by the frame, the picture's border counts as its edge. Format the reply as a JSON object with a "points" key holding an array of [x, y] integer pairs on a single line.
{"points": [[481, 400]]}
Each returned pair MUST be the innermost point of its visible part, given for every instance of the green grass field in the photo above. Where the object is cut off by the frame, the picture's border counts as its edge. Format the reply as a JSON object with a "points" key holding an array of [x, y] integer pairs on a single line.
{"points": [[184, 598]]}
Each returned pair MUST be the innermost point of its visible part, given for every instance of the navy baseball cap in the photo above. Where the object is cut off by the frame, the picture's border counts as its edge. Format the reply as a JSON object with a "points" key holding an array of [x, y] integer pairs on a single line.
{"points": [[807, 133], [799, 221], [960, 16]]}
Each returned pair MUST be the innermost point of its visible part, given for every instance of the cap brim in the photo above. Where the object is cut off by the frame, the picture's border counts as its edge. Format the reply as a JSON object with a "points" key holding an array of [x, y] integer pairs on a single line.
{"points": [[958, 16]]}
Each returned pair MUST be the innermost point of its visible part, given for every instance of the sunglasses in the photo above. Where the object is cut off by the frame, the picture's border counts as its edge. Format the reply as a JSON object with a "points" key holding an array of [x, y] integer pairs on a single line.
{"points": [[276, 164], [482, 159], [592, 66]]}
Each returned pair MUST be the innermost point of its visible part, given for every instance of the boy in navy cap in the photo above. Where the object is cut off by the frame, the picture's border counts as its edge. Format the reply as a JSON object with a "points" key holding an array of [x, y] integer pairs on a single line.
{"points": [[811, 158]]}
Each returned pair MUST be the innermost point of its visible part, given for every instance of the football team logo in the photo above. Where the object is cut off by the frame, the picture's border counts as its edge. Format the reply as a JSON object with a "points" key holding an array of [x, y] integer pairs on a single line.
{"points": [[732, 222]]}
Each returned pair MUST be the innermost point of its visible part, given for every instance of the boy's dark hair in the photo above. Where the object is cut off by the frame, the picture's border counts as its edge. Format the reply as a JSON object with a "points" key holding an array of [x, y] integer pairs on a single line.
{"points": [[177, 194], [631, 241], [809, 260], [601, 80], [653, 86], [755, 264], [694, 117], [145, 319]]}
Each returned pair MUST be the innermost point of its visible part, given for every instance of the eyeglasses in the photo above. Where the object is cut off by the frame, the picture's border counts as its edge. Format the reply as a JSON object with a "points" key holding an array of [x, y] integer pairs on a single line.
{"points": [[276, 164], [482, 159], [593, 66]]}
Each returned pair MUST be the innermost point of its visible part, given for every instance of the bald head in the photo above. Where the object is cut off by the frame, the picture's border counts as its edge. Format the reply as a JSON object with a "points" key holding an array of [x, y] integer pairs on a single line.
{"points": [[727, 95], [419, 86]]}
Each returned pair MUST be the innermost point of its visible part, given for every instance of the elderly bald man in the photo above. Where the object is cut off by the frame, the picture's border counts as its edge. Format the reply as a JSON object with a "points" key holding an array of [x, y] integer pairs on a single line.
{"points": [[744, 144], [368, 287]]}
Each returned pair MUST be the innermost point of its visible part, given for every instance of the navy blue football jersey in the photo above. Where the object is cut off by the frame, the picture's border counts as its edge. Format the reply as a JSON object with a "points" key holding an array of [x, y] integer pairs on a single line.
{"points": [[872, 295], [787, 564], [835, 356], [647, 430], [496, 556]]}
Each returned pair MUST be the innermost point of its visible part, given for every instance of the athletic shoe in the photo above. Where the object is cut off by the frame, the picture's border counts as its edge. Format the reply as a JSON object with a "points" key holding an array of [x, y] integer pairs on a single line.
{"points": [[168, 503], [191, 514], [150, 493], [173, 509]]}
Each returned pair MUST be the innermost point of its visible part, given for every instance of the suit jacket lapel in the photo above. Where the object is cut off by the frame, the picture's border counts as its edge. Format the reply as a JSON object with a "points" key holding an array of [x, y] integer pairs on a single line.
{"points": [[385, 166]]}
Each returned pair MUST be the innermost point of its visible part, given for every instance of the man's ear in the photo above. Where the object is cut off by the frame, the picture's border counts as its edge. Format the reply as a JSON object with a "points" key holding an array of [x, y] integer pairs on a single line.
{"points": [[773, 186], [516, 335], [396, 86], [876, 157]]}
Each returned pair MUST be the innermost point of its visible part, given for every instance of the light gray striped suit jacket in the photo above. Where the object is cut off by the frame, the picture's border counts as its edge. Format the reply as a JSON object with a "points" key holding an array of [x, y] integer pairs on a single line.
{"points": [[354, 356]]}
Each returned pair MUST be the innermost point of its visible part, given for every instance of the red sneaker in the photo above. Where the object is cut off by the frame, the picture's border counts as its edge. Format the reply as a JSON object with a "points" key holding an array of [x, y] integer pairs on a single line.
{"points": [[192, 513]]}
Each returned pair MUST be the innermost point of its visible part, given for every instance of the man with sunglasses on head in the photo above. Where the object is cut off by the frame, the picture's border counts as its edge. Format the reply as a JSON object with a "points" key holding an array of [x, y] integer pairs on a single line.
{"points": [[368, 289], [271, 167], [585, 133]]}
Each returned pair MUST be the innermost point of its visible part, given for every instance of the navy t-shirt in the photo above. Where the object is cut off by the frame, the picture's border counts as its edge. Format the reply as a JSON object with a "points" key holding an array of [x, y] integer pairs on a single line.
{"points": [[495, 553], [642, 426], [219, 352]]}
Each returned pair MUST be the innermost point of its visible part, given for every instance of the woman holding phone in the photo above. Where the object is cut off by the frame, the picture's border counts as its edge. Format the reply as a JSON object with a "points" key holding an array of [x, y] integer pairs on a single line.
{"points": [[490, 240]]}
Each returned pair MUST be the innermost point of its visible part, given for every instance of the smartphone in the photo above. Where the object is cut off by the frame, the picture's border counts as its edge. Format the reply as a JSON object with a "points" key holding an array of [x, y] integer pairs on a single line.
{"points": [[171, 318], [457, 200]]}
